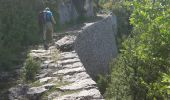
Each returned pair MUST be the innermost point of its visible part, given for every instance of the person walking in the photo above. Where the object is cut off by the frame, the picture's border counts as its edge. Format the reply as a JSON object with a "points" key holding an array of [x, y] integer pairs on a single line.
{"points": [[47, 21]]}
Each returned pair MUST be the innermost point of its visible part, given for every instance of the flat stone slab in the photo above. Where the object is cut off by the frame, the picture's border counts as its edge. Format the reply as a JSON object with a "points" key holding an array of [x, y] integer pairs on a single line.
{"points": [[68, 55], [42, 80], [76, 77], [73, 65], [69, 71], [92, 94], [68, 61], [36, 90], [79, 85]]}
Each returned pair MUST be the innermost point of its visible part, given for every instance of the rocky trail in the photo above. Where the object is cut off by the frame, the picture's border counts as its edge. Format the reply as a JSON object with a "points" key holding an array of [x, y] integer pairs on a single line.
{"points": [[62, 75], [70, 64]]}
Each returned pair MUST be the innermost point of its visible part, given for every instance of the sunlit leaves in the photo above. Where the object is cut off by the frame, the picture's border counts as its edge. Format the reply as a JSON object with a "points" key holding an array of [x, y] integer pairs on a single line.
{"points": [[147, 50]]}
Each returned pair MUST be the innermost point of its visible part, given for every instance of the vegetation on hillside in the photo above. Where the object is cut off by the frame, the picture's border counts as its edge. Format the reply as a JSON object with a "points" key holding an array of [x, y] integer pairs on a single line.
{"points": [[31, 68], [120, 9], [18, 28], [141, 71]]}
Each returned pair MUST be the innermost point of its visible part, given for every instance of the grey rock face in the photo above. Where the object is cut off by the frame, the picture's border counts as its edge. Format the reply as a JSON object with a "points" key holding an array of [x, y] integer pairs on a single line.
{"points": [[89, 8], [72, 9], [96, 46], [67, 12]]}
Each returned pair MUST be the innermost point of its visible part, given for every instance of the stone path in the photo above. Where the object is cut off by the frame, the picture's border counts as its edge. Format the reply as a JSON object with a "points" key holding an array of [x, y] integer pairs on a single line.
{"points": [[66, 77], [62, 76]]}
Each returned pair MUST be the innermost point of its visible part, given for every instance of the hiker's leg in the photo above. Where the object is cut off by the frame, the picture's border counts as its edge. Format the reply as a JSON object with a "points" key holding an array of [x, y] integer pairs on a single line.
{"points": [[45, 36], [44, 32], [50, 31]]}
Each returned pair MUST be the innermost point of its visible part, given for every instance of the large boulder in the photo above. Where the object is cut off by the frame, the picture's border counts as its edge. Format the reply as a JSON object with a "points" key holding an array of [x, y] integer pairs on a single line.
{"points": [[96, 45]]}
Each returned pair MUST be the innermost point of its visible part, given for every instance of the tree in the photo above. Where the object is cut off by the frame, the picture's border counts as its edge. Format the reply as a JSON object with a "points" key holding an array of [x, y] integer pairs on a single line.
{"points": [[145, 55]]}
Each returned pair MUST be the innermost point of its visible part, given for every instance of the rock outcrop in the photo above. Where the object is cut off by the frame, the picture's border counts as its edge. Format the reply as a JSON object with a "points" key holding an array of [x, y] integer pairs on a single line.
{"points": [[96, 45], [73, 9]]}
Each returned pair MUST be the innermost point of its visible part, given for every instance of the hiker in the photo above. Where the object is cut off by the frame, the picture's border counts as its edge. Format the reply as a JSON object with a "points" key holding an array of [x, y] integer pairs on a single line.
{"points": [[47, 21]]}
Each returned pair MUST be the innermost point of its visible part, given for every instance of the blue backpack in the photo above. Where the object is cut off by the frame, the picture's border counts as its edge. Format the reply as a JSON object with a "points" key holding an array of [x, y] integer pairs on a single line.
{"points": [[48, 16]]}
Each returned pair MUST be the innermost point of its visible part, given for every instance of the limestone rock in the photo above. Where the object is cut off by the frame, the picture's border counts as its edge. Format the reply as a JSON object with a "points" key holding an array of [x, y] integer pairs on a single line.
{"points": [[69, 61], [69, 71], [67, 12], [92, 94], [18, 92], [42, 80], [66, 43], [96, 46], [76, 77], [35, 93], [82, 84], [89, 8], [73, 9]]}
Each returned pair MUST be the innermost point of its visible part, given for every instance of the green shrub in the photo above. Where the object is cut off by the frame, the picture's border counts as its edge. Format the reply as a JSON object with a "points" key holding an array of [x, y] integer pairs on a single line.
{"points": [[18, 29], [103, 82], [31, 68], [122, 12], [137, 72]]}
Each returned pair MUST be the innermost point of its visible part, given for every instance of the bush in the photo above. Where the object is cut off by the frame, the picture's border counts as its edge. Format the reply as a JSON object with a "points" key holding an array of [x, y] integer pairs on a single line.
{"points": [[31, 68], [137, 73], [102, 83], [122, 12], [18, 29]]}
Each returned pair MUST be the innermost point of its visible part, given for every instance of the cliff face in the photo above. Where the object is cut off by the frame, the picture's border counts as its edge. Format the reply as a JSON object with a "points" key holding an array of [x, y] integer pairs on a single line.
{"points": [[72, 9], [96, 46]]}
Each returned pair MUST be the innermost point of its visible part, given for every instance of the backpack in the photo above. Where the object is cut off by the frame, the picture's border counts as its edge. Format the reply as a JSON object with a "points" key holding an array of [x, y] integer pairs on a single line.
{"points": [[48, 16]]}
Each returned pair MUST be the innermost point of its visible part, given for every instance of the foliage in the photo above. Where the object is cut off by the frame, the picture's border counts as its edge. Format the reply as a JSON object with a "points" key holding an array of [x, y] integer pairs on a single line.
{"points": [[102, 82], [31, 68], [120, 9], [137, 73], [18, 29]]}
